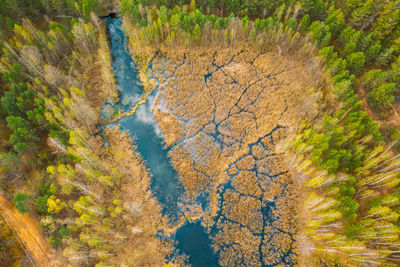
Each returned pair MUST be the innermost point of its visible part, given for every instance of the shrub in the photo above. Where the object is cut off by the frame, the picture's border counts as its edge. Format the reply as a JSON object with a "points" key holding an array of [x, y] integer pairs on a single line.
{"points": [[20, 202], [41, 203]]}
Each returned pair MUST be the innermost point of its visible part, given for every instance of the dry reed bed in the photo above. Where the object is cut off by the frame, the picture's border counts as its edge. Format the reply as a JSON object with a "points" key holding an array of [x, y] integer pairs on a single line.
{"points": [[223, 111]]}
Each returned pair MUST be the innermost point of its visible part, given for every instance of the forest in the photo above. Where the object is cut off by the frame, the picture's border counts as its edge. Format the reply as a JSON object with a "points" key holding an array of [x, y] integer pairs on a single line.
{"points": [[280, 118]]}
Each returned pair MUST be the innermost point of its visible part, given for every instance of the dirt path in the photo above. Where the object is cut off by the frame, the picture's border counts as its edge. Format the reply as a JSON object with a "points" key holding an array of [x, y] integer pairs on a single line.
{"points": [[28, 234]]}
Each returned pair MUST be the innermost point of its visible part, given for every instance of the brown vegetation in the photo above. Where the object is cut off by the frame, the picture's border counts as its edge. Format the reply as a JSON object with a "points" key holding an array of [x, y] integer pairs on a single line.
{"points": [[142, 214], [223, 110]]}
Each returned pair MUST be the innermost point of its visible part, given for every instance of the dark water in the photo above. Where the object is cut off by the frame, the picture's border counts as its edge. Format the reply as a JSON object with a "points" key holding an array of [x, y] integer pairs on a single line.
{"points": [[142, 126], [165, 183], [124, 68], [191, 238], [193, 241]]}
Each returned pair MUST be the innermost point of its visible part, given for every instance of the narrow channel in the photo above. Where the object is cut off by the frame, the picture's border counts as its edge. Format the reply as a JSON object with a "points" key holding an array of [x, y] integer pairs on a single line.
{"points": [[190, 239], [142, 125]]}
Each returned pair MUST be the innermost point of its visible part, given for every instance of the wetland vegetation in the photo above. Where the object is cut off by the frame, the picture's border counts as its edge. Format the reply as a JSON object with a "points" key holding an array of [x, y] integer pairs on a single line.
{"points": [[203, 133]]}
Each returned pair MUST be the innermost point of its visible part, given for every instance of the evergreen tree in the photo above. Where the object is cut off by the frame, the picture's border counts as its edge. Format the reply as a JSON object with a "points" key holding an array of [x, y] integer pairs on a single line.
{"points": [[381, 98]]}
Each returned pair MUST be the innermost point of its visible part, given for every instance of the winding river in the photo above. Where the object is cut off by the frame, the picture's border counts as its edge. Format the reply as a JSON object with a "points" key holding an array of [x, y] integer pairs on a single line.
{"points": [[190, 239]]}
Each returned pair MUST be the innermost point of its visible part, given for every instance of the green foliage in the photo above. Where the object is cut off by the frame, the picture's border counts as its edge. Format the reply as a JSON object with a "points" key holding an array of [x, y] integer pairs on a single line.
{"points": [[321, 33], [57, 236], [385, 57], [196, 32], [25, 116], [342, 88], [18, 100], [10, 160], [349, 206], [23, 135], [395, 72], [335, 148], [41, 204], [64, 231], [16, 74], [55, 241], [374, 78], [316, 8], [373, 51], [382, 97], [373, 202], [305, 22], [20, 201], [45, 189], [131, 9], [352, 230], [335, 21], [45, 192], [356, 62], [88, 6], [12, 11]]}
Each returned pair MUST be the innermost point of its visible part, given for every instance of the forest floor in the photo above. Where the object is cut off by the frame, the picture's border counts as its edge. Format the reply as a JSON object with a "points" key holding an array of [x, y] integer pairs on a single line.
{"points": [[28, 234]]}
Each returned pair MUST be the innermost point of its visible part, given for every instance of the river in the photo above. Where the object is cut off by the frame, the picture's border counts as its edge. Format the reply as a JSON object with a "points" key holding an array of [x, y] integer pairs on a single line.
{"points": [[190, 239]]}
